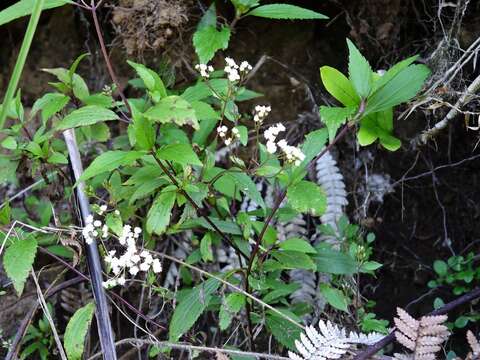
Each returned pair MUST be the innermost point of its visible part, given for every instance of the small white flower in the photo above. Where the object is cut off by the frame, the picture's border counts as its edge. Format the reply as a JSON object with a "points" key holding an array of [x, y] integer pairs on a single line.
{"points": [[137, 230], [228, 141], [157, 266], [204, 70], [97, 223], [245, 66], [144, 266], [121, 281], [271, 147], [103, 208], [89, 219], [116, 212], [88, 240], [133, 270]]}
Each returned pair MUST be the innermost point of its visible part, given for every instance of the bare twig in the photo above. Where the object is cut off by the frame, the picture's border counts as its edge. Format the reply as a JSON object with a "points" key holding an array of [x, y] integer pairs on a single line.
{"points": [[166, 344], [464, 99]]}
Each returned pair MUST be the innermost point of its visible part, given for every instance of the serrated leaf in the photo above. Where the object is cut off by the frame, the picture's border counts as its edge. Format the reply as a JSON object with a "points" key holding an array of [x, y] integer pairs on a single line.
{"points": [[334, 262], [246, 185], [209, 18], [190, 308], [76, 331], [87, 115], [297, 244], [334, 297], [173, 109], [143, 130], [153, 82], [180, 153], [109, 161], [206, 247], [158, 217], [359, 71], [339, 86], [18, 261], [334, 117], [200, 90], [25, 7], [283, 330], [49, 104], [392, 72], [294, 260], [285, 11], [204, 111], [307, 197], [232, 304], [208, 40], [401, 87]]}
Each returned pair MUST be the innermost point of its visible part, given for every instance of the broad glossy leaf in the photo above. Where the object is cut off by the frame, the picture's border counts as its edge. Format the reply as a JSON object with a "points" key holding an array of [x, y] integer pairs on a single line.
{"points": [[49, 104], [334, 297], [334, 262], [339, 86]]}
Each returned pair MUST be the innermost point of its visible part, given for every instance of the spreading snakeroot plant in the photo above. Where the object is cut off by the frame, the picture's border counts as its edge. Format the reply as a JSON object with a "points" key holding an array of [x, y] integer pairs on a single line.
{"points": [[162, 174]]}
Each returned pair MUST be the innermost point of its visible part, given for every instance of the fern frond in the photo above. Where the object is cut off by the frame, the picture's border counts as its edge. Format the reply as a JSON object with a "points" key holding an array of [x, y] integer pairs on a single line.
{"points": [[330, 342], [423, 337]]}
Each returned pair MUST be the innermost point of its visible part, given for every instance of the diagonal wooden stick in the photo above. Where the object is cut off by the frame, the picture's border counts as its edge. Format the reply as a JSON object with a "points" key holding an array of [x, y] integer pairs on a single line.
{"points": [[105, 332]]}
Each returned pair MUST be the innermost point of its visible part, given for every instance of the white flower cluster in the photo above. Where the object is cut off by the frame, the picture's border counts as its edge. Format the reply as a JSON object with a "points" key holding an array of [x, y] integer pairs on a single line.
{"points": [[222, 132], [131, 260], [204, 70], [292, 153], [261, 112], [93, 228], [233, 70]]}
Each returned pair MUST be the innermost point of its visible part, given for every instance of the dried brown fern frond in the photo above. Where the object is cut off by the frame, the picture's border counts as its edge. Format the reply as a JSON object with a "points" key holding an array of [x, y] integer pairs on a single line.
{"points": [[423, 337]]}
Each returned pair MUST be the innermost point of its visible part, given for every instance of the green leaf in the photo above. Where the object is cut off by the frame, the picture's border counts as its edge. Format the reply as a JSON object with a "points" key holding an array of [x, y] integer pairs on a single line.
{"points": [[334, 117], [246, 185], [49, 104], [285, 11], [334, 262], [109, 161], [307, 197], [209, 18], [190, 308], [334, 297], [208, 40], [57, 158], [339, 86], [151, 79], [294, 260], [158, 217], [378, 125], [359, 71], [102, 100], [206, 247], [9, 143], [440, 267], [200, 90], [24, 8], [392, 72], [173, 109], [401, 87], [18, 261], [297, 244], [87, 115], [76, 331], [5, 216], [204, 111], [232, 304], [283, 330], [180, 153]]}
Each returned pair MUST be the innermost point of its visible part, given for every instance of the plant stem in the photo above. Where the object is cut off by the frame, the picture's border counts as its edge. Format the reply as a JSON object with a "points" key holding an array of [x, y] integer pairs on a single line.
{"points": [[108, 63], [200, 211], [22, 57]]}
